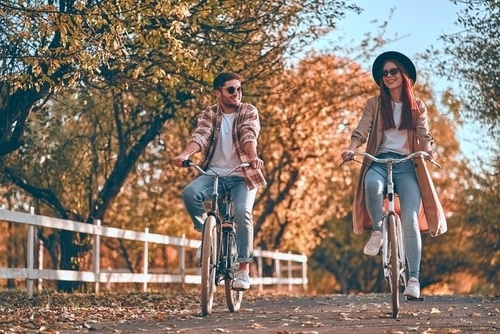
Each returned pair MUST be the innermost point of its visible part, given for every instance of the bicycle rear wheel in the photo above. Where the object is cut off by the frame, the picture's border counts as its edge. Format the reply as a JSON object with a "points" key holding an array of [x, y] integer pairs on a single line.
{"points": [[394, 263], [208, 265], [233, 297]]}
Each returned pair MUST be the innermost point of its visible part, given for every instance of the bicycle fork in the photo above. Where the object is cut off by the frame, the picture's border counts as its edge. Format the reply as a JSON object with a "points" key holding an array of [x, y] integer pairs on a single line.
{"points": [[385, 247], [401, 249]]}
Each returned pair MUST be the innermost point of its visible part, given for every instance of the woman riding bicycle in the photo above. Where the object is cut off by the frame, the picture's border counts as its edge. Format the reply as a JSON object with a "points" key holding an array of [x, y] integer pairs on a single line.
{"points": [[394, 124]]}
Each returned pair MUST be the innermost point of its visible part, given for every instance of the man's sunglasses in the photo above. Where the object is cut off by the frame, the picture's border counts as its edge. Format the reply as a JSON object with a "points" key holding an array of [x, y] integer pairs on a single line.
{"points": [[392, 71], [232, 89]]}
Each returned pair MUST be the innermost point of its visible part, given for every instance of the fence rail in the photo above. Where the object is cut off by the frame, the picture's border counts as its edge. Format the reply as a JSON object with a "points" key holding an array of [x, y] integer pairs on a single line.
{"points": [[283, 262]]}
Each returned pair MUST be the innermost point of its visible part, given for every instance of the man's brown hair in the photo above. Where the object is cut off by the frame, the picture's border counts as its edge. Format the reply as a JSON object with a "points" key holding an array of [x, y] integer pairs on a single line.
{"points": [[223, 77]]}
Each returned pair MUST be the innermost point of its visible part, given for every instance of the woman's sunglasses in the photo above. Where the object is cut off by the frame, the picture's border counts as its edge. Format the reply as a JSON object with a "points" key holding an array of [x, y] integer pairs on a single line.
{"points": [[392, 71], [232, 89]]}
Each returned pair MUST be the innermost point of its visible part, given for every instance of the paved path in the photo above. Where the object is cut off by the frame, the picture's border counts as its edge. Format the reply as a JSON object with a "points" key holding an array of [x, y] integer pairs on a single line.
{"points": [[324, 314]]}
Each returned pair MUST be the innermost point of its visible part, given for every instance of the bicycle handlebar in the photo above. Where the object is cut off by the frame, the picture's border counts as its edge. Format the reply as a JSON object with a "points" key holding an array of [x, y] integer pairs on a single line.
{"points": [[189, 163], [393, 160]]}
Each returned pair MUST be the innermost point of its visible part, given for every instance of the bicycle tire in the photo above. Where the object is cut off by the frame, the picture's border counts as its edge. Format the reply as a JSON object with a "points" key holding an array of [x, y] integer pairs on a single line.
{"points": [[403, 263], [208, 265], [394, 263], [233, 297]]}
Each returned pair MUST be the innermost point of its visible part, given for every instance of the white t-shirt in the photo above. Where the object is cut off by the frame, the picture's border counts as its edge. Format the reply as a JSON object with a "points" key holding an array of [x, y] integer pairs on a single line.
{"points": [[394, 140], [225, 157]]}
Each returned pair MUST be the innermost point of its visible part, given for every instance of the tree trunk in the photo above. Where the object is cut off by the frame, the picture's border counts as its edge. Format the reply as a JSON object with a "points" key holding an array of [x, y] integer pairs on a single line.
{"points": [[68, 260]]}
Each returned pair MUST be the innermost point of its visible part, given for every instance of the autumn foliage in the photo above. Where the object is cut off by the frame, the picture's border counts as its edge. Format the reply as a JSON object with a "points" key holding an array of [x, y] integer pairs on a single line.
{"points": [[96, 99]]}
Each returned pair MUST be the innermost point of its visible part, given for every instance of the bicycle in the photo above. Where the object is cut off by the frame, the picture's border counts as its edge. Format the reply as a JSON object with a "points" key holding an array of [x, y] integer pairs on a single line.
{"points": [[218, 246], [393, 252]]}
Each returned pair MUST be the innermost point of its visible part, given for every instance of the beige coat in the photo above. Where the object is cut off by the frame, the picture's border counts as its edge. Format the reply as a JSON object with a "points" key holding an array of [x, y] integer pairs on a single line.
{"points": [[431, 217]]}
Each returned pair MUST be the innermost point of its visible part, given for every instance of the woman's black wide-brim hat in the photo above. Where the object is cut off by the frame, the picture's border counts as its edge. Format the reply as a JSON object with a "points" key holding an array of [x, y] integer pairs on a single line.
{"points": [[397, 56]]}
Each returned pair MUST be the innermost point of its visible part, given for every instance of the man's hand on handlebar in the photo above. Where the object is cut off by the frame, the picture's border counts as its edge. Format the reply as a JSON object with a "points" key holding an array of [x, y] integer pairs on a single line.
{"points": [[256, 163], [179, 160]]}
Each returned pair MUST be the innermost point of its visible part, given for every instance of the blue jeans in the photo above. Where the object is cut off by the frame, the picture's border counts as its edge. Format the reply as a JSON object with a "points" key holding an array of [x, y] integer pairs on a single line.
{"points": [[406, 186], [200, 190]]}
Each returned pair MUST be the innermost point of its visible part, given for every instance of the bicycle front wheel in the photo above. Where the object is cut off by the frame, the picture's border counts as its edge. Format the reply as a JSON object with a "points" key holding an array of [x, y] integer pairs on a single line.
{"points": [[233, 297], [394, 263], [208, 265]]}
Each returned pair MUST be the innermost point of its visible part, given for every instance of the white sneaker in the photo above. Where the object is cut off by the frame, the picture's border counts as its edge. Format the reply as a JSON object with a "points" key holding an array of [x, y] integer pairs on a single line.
{"points": [[373, 245], [241, 280], [412, 288]]}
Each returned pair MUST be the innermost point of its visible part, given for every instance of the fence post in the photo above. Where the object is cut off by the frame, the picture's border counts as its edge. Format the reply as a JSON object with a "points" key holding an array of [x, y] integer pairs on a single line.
{"points": [[96, 258], [290, 288], [259, 270], [182, 259], [30, 260], [145, 267], [304, 275], [40, 263], [277, 269]]}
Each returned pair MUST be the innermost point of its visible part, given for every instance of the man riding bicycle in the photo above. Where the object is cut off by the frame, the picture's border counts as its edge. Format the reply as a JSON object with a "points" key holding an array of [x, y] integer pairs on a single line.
{"points": [[227, 135]]}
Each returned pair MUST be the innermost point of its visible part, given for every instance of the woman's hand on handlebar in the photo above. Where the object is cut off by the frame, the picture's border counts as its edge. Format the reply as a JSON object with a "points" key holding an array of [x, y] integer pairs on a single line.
{"points": [[433, 154], [347, 155]]}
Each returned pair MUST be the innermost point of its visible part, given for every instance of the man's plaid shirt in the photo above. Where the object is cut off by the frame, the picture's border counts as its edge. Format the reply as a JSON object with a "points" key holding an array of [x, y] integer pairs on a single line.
{"points": [[246, 128]]}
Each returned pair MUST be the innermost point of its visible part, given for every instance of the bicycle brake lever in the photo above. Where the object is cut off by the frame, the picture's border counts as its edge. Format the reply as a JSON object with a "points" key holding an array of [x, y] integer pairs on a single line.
{"points": [[435, 163], [350, 157], [186, 163]]}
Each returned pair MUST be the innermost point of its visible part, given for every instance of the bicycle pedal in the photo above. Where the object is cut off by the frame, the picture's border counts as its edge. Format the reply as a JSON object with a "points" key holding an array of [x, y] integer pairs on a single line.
{"points": [[413, 299]]}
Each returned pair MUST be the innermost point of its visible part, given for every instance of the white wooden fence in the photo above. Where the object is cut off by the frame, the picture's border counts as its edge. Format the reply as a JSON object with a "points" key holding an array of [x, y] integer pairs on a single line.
{"points": [[283, 262]]}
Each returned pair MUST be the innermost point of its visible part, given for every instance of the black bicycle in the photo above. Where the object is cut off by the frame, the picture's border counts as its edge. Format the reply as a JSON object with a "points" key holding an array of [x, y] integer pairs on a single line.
{"points": [[218, 246]]}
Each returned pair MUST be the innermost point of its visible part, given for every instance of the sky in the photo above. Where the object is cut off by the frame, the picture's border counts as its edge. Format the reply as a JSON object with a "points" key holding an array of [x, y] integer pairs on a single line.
{"points": [[421, 22], [418, 25]]}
